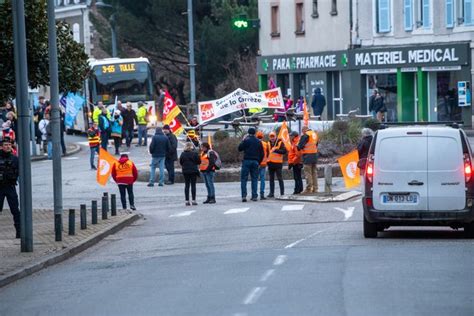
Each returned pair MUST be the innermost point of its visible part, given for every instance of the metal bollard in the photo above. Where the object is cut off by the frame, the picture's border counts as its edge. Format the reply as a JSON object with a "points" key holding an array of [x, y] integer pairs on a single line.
{"points": [[327, 179], [113, 205], [105, 207], [72, 221], [106, 194], [58, 223], [83, 216], [94, 212]]}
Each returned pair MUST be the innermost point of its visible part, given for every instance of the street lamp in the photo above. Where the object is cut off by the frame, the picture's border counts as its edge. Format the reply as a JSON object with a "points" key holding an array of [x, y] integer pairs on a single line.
{"points": [[101, 4]]}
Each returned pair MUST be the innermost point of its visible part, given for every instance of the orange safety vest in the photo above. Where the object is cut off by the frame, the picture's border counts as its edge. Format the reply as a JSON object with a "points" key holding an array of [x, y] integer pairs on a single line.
{"points": [[294, 155], [124, 170], [94, 141], [266, 153], [204, 162], [311, 146], [275, 157]]}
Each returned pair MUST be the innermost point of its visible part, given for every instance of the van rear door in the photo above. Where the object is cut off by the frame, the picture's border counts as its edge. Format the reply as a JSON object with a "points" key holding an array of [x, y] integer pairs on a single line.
{"points": [[447, 187], [400, 181]]}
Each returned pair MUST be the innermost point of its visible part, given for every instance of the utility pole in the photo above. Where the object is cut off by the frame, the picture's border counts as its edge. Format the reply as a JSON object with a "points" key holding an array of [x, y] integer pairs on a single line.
{"points": [[21, 80], [114, 35], [192, 65], [55, 122]]}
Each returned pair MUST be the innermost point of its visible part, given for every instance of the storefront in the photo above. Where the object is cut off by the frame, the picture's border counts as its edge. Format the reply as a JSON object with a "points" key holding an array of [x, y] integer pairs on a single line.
{"points": [[418, 83]]}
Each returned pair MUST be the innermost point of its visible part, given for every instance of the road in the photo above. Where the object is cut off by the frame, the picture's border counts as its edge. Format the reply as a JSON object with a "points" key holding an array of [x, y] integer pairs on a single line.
{"points": [[255, 258]]}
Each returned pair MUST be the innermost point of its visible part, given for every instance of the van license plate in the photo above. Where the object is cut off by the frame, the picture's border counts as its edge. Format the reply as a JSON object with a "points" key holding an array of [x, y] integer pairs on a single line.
{"points": [[400, 198]]}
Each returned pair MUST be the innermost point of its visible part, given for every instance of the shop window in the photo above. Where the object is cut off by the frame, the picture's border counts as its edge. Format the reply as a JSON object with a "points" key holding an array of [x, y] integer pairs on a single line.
{"points": [[275, 21], [315, 13], [386, 85], [334, 7], [299, 19], [408, 15], [447, 107], [449, 13], [76, 32], [383, 16]]}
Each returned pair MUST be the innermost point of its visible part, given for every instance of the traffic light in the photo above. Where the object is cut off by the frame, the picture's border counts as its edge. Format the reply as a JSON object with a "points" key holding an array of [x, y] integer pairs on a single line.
{"points": [[241, 22]]}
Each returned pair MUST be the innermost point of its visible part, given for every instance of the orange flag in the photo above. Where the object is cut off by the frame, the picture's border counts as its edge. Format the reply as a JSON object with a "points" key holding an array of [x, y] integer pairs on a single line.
{"points": [[284, 135], [351, 173], [106, 162], [209, 140], [305, 113]]}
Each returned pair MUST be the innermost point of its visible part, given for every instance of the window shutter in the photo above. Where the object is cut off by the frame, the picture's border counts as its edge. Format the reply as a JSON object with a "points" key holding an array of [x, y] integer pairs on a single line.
{"points": [[468, 11], [408, 15], [449, 13], [426, 14], [383, 15]]}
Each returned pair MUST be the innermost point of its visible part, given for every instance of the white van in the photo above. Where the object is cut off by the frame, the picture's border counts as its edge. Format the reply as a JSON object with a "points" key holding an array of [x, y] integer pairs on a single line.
{"points": [[418, 175]]}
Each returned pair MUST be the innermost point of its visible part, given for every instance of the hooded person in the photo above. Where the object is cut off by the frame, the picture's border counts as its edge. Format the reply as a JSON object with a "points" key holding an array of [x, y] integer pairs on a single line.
{"points": [[159, 147], [116, 130], [125, 173], [318, 103]]}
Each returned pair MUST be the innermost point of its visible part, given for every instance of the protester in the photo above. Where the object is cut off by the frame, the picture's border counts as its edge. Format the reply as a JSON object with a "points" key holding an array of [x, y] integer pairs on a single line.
{"points": [[263, 165], [7, 131], [125, 173], [190, 161], [161, 104], [194, 121], [308, 145], [159, 147], [104, 128], [192, 137], [371, 104], [62, 122], [9, 172], [116, 131], [363, 148], [275, 164], [129, 119], [208, 170], [93, 136], [318, 103], [38, 116], [379, 106], [142, 120], [46, 136], [172, 154], [253, 156], [97, 112], [295, 162]]}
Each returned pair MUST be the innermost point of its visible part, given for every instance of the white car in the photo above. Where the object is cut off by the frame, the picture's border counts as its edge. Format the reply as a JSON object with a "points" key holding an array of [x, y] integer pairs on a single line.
{"points": [[419, 175]]}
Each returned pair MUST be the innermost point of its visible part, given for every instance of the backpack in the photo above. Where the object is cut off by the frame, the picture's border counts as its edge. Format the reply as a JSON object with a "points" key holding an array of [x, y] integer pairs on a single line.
{"points": [[218, 162]]}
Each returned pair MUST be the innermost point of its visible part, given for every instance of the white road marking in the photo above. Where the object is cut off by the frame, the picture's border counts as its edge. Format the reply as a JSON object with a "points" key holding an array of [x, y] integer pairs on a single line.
{"points": [[309, 236], [84, 143], [280, 260], [71, 158], [237, 210], [292, 207], [254, 295], [182, 214], [267, 275], [347, 212], [358, 201]]}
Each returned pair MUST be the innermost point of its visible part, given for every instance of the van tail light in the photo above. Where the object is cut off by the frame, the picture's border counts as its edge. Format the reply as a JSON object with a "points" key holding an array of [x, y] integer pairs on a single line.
{"points": [[467, 167], [369, 171], [369, 202]]}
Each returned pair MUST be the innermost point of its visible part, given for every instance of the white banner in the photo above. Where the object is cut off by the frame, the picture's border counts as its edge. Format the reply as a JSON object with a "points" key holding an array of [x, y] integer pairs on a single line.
{"points": [[239, 100]]}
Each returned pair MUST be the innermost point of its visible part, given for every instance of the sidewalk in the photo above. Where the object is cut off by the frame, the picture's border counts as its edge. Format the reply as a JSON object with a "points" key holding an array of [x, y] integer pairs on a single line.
{"points": [[15, 265], [71, 149]]}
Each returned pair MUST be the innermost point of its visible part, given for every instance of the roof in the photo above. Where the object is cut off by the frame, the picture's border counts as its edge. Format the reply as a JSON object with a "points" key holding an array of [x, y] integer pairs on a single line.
{"points": [[111, 61]]}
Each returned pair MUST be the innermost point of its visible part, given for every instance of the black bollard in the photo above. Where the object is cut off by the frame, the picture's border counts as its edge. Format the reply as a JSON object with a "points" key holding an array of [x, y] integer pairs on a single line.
{"points": [[58, 223], [113, 205], [72, 221], [94, 212], [105, 207], [106, 194], [83, 216]]}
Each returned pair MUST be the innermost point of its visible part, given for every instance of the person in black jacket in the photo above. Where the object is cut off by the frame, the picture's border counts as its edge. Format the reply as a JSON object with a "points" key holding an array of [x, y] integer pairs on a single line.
{"points": [[9, 172], [275, 164], [159, 147], [253, 156], [172, 154], [190, 161], [364, 146], [318, 103], [129, 121]]}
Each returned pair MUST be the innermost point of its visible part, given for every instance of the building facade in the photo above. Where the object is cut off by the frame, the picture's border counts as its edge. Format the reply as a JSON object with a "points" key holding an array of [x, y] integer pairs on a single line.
{"points": [[417, 53]]}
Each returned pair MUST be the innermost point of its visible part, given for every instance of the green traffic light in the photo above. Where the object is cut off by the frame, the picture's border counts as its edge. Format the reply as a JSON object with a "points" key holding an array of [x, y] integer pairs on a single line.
{"points": [[241, 24]]}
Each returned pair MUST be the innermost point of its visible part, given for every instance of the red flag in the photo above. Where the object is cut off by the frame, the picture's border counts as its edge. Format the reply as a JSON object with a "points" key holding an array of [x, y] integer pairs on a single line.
{"points": [[176, 127], [284, 135], [170, 109]]}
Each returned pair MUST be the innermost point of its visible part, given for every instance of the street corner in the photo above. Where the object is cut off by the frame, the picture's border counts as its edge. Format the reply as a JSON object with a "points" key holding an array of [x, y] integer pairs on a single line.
{"points": [[322, 197], [16, 265]]}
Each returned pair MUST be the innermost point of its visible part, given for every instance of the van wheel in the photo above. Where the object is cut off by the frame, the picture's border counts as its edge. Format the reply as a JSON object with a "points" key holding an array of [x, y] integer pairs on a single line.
{"points": [[469, 230], [370, 229]]}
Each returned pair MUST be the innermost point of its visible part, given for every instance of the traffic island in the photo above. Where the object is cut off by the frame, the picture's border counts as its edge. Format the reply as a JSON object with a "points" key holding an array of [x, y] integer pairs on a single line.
{"points": [[46, 251], [71, 149], [322, 197]]}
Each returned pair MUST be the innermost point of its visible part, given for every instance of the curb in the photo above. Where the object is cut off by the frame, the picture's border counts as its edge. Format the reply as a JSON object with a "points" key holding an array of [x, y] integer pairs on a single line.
{"points": [[67, 253], [340, 197], [76, 149]]}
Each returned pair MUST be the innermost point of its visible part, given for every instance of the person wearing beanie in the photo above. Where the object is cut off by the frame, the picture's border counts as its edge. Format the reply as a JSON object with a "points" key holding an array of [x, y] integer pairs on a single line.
{"points": [[172, 154], [159, 147], [263, 165], [125, 173], [253, 156]]}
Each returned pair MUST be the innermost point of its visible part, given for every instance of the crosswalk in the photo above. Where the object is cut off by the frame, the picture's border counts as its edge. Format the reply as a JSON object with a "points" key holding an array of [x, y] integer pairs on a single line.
{"points": [[233, 211]]}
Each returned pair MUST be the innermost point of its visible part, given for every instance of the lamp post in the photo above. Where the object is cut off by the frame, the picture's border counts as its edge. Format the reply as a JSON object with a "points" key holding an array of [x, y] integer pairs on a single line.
{"points": [[101, 4], [192, 65]]}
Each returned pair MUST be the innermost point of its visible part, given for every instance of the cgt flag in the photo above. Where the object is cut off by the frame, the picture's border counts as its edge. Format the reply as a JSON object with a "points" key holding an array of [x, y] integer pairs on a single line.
{"points": [[106, 162], [170, 109], [284, 135], [176, 127], [351, 173]]}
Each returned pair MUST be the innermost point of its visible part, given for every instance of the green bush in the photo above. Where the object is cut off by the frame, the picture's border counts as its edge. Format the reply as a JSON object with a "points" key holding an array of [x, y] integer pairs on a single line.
{"points": [[221, 135], [227, 149], [372, 123]]}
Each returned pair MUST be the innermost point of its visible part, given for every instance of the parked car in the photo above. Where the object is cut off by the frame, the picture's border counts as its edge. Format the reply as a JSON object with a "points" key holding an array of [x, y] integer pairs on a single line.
{"points": [[419, 175]]}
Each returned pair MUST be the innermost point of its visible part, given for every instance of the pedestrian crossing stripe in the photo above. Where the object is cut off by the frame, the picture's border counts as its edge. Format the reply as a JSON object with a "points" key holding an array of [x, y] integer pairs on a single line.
{"points": [[236, 210], [182, 214], [292, 207]]}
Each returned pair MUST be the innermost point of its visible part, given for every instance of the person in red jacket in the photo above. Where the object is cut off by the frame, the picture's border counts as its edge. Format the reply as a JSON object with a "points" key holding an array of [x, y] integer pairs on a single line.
{"points": [[125, 174]]}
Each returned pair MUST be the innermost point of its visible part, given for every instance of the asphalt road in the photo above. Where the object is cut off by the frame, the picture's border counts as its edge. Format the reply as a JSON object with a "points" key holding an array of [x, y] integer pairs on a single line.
{"points": [[255, 258]]}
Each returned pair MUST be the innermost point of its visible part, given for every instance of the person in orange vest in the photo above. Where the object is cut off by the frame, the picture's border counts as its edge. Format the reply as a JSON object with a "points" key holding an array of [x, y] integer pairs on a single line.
{"points": [[208, 170], [263, 165], [295, 162], [125, 174], [275, 164], [93, 135], [308, 145]]}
